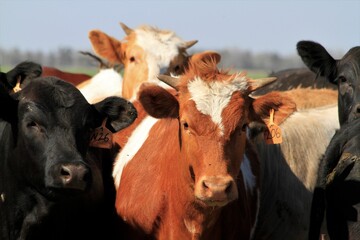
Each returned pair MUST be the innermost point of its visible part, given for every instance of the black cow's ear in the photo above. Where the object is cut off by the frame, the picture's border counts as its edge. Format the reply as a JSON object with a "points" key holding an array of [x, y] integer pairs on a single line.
{"points": [[120, 112], [8, 105], [22, 71], [317, 59]]}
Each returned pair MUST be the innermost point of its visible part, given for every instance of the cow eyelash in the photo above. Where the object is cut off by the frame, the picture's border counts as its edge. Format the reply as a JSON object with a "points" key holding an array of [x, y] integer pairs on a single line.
{"points": [[342, 79]]}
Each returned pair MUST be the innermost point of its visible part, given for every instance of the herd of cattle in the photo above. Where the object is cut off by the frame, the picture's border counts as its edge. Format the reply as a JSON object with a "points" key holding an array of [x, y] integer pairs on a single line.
{"points": [[174, 148]]}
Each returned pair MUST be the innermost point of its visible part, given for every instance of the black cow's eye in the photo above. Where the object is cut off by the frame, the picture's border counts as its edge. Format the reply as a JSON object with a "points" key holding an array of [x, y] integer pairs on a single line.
{"points": [[33, 125], [342, 79]]}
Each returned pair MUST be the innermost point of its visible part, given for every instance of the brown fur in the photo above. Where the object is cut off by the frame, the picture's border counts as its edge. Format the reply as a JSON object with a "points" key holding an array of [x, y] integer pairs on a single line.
{"points": [[74, 78], [160, 187], [306, 98]]}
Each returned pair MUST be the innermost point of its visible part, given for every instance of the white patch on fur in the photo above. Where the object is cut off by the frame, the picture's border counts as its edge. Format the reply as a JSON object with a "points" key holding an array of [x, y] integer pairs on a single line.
{"points": [[249, 178], [212, 98], [106, 83], [136, 140], [160, 47]]}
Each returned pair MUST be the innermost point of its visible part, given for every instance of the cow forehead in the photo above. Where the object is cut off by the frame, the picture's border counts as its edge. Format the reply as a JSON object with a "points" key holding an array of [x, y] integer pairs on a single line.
{"points": [[162, 46], [211, 98], [54, 95]]}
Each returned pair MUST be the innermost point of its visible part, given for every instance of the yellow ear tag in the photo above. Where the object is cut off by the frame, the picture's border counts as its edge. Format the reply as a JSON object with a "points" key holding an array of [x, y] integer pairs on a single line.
{"points": [[101, 137], [17, 86], [272, 134]]}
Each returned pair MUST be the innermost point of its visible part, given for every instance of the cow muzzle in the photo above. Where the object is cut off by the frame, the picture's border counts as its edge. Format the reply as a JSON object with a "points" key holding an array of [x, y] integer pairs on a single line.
{"points": [[71, 176], [74, 176], [216, 191]]}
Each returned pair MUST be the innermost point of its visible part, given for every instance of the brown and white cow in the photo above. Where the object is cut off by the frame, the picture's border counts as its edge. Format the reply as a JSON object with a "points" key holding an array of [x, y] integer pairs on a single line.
{"points": [[194, 174], [73, 78], [145, 52]]}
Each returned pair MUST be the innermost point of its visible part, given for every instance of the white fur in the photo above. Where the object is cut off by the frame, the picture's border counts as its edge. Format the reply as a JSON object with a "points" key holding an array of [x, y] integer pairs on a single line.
{"points": [[107, 82], [212, 98], [136, 140], [160, 47]]}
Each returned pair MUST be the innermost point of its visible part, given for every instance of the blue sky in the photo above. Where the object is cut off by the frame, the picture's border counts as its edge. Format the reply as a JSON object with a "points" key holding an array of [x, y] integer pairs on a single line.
{"points": [[255, 25]]}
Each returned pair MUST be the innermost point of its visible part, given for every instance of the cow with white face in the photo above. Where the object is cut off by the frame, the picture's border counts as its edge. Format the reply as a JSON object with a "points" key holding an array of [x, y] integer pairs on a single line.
{"points": [[145, 52]]}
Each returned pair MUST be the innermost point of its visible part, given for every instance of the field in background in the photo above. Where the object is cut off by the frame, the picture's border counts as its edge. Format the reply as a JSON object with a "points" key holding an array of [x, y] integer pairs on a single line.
{"points": [[93, 71]]}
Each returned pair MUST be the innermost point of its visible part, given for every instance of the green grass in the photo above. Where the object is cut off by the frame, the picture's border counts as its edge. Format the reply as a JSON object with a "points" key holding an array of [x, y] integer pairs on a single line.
{"points": [[88, 71], [252, 73]]}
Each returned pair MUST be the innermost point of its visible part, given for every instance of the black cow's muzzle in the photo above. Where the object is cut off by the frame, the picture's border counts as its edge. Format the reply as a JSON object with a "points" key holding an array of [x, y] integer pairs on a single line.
{"points": [[70, 176]]}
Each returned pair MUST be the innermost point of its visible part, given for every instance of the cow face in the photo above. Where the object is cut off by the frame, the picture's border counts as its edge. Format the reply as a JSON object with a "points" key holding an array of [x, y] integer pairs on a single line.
{"points": [[344, 72], [145, 53], [53, 123], [213, 109]]}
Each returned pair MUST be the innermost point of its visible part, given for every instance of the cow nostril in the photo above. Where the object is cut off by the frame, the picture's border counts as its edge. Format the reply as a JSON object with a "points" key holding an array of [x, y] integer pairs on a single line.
{"points": [[65, 173], [228, 188]]}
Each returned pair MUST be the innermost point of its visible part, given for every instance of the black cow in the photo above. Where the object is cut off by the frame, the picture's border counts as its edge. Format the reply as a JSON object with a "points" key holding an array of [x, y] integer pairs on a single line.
{"points": [[343, 72], [295, 78], [338, 186], [337, 190], [52, 184]]}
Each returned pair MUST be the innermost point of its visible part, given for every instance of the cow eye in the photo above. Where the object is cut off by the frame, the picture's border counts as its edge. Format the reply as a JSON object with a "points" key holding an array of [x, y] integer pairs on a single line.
{"points": [[33, 125], [185, 125], [176, 68], [132, 59], [342, 79]]}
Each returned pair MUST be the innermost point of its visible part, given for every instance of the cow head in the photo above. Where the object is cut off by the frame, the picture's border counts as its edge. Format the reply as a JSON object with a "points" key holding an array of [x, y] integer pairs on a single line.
{"points": [[213, 109], [145, 52], [344, 72], [52, 123]]}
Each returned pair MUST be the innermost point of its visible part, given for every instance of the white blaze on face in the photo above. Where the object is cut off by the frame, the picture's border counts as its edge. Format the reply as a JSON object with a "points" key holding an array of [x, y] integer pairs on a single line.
{"points": [[212, 98], [160, 47]]}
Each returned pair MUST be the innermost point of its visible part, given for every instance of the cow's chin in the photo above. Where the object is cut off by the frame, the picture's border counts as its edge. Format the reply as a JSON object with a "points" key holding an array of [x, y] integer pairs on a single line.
{"points": [[58, 193], [212, 203]]}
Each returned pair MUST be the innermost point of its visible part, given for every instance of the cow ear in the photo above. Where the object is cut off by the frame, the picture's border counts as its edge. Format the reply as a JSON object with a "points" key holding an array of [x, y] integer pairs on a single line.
{"points": [[9, 105], [206, 56], [119, 112], [317, 59], [106, 47], [283, 107], [158, 102], [21, 72]]}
